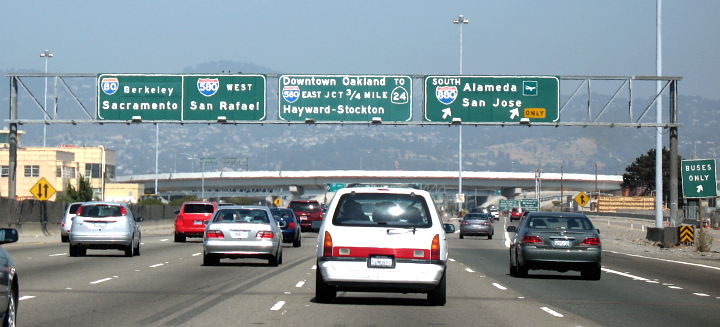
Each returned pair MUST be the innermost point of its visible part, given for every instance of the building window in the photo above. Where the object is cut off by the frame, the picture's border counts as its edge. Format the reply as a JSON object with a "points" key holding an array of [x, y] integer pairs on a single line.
{"points": [[5, 171], [109, 171], [59, 171], [32, 171], [92, 170]]}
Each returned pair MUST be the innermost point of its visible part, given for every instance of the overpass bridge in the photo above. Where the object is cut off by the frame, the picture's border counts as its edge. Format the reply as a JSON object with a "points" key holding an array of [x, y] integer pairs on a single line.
{"points": [[288, 185]]}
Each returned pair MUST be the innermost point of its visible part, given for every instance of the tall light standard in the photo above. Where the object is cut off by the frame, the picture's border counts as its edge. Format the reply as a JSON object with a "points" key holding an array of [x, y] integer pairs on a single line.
{"points": [[460, 20], [47, 55], [658, 117]]}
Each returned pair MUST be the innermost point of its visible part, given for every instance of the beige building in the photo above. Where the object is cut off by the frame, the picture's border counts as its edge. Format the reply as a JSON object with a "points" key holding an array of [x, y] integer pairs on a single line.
{"points": [[62, 165]]}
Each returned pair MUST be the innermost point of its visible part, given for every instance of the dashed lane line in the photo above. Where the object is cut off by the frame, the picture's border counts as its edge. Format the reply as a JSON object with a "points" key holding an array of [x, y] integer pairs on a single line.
{"points": [[277, 306], [157, 265], [26, 297], [300, 283], [101, 280], [469, 270], [552, 312], [701, 294], [57, 254], [499, 286], [665, 260], [196, 254]]}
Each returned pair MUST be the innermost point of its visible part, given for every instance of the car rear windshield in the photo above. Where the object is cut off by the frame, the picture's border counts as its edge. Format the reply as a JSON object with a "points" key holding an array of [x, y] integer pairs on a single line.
{"points": [[382, 210], [477, 216], [283, 214], [568, 223], [74, 207], [99, 211], [305, 206], [198, 208], [256, 216]]}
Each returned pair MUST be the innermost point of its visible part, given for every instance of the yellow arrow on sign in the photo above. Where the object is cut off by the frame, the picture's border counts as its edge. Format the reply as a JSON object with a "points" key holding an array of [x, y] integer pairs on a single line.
{"points": [[42, 190], [582, 199]]}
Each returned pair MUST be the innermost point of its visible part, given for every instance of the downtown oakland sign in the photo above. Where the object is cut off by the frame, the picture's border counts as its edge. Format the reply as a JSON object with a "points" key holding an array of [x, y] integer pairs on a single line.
{"points": [[492, 98], [181, 97], [345, 97]]}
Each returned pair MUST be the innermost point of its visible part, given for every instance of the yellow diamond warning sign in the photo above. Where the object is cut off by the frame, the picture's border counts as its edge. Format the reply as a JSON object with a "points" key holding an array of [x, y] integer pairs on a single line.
{"points": [[42, 190], [582, 199]]}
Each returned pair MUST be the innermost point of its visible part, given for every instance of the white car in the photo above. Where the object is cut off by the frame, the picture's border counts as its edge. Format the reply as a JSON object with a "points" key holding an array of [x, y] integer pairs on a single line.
{"points": [[382, 239], [67, 220], [104, 226]]}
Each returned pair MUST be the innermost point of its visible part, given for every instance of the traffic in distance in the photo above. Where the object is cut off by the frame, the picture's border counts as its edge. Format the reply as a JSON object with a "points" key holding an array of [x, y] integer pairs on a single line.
{"points": [[386, 245]]}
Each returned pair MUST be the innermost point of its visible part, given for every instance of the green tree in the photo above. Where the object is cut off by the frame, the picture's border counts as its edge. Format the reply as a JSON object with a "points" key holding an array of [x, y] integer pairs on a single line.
{"points": [[83, 193], [640, 175]]}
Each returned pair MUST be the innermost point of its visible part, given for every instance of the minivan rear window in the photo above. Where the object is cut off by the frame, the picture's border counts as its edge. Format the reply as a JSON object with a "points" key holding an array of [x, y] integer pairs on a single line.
{"points": [[382, 210], [198, 208]]}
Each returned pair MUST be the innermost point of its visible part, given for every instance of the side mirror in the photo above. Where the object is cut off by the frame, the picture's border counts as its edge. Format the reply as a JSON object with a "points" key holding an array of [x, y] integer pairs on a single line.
{"points": [[139, 219], [449, 228], [598, 230], [281, 223], [8, 235], [511, 229]]}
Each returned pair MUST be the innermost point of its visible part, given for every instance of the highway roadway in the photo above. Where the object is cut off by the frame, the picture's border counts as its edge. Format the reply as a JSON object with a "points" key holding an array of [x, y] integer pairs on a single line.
{"points": [[167, 286]]}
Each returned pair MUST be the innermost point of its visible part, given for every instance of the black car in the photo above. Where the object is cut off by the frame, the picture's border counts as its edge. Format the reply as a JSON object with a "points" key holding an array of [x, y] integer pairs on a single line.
{"points": [[8, 279], [291, 230], [558, 241]]}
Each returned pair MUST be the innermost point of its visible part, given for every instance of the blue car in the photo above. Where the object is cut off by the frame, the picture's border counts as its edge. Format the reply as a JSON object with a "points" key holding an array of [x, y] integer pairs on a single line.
{"points": [[291, 231]]}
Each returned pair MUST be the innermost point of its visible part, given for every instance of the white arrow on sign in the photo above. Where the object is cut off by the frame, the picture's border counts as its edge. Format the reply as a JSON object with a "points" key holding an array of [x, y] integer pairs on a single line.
{"points": [[699, 188], [513, 113], [447, 112]]}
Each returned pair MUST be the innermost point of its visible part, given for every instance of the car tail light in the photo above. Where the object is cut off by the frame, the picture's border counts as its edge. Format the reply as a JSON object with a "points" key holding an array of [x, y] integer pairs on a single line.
{"points": [[327, 245], [464, 223], [79, 211], [291, 225], [215, 234], [264, 234], [435, 248], [487, 223], [529, 239], [591, 241], [123, 211]]}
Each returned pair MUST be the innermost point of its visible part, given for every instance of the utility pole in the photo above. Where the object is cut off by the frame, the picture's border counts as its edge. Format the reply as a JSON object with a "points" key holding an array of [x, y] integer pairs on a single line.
{"points": [[47, 55], [460, 20]]}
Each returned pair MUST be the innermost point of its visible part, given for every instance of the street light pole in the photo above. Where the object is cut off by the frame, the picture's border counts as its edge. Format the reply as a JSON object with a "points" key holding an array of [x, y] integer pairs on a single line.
{"points": [[460, 20], [47, 55]]}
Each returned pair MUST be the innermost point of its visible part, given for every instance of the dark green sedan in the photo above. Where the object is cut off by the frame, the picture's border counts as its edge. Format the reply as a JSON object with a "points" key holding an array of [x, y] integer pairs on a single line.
{"points": [[559, 241]]}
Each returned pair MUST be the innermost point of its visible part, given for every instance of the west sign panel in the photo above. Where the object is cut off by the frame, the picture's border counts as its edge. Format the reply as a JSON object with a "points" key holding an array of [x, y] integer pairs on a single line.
{"points": [[345, 97], [181, 97], [698, 178], [492, 98]]}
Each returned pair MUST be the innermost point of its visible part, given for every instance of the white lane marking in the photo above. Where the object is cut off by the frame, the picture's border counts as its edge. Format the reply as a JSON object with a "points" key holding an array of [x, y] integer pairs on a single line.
{"points": [[69, 288], [101, 280], [277, 306], [665, 260], [701, 294], [521, 297], [157, 265], [451, 259], [165, 240], [675, 287], [624, 274], [469, 270], [499, 286], [314, 267], [142, 243], [196, 254], [552, 312], [138, 270], [57, 254], [300, 283], [652, 282], [26, 297], [287, 293]]}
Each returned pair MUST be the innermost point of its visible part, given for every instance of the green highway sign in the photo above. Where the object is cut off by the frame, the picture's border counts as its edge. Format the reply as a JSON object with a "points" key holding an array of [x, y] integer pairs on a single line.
{"points": [[181, 97], [492, 98], [698, 178], [345, 97], [529, 204], [506, 205], [333, 187]]}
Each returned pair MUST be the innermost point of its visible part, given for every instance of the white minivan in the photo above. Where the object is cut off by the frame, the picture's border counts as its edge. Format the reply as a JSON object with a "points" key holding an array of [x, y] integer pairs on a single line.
{"points": [[382, 239]]}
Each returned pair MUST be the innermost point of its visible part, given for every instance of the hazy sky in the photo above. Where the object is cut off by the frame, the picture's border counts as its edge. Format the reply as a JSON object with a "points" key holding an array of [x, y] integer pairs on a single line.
{"points": [[560, 37]]}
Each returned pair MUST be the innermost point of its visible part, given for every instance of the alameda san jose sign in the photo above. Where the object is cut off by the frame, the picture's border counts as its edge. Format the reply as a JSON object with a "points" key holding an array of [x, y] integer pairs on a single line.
{"points": [[181, 97]]}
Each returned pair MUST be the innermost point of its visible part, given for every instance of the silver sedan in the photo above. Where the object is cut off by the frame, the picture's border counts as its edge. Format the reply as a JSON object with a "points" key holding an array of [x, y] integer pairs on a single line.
{"points": [[242, 232]]}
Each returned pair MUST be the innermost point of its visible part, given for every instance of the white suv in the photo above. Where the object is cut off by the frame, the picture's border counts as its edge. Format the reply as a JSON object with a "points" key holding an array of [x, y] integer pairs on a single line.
{"points": [[382, 239]]}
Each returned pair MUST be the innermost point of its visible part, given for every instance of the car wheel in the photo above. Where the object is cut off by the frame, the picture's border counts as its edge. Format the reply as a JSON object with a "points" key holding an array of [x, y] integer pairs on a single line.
{"points": [[210, 260], [137, 248], [73, 251], [462, 236], [130, 250], [324, 293], [81, 252], [179, 237], [592, 273], [64, 239], [490, 236], [11, 311], [438, 295], [274, 261], [522, 270], [513, 268], [297, 243]]}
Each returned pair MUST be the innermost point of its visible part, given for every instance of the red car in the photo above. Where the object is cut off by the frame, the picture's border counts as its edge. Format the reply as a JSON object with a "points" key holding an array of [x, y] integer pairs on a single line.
{"points": [[308, 212], [516, 213], [190, 220]]}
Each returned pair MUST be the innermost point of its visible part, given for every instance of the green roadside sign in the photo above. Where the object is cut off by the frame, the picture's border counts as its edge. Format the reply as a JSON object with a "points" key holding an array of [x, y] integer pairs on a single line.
{"points": [[181, 97], [333, 187], [530, 204], [506, 205], [492, 98], [699, 179], [345, 97]]}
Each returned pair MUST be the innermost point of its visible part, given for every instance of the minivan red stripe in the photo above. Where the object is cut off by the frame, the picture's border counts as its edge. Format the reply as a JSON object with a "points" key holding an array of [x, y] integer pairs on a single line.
{"points": [[365, 252]]}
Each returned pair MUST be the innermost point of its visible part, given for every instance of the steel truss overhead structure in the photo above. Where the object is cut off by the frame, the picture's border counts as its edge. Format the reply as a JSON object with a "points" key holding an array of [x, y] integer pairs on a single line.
{"points": [[581, 86]]}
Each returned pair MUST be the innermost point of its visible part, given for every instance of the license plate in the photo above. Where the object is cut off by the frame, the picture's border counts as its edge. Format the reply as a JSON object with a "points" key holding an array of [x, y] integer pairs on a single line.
{"points": [[198, 222], [381, 262], [303, 217], [239, 234], [561, 243], [99, 225]]}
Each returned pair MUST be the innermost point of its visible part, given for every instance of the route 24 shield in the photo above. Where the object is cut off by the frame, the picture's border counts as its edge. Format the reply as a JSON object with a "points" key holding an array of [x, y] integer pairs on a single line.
{"points": [[208, 86], [109, 85], [446, 94], [291, 93]]}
